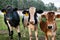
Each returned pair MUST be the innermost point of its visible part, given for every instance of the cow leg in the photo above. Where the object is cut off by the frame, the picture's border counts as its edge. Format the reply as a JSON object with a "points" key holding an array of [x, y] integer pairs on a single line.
{"points": [[46, 37], [54, 36], [19, 34], [30, 33], [11, 34], [36, 33], [10, 30]]}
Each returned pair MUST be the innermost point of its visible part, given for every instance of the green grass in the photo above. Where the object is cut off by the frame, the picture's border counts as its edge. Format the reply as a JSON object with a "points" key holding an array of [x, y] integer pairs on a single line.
{"points": [[4, 31]]}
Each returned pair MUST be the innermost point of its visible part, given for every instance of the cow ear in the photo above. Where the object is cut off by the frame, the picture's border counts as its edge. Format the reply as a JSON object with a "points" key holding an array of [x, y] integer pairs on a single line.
{"points": [[58, 16], [43, 18], [15, 9], [25, 12], [39, 11], [4, 11]]}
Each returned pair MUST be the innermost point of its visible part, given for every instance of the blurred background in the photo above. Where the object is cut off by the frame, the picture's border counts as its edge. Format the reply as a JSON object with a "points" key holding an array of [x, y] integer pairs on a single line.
{"points": [[46, 5]]}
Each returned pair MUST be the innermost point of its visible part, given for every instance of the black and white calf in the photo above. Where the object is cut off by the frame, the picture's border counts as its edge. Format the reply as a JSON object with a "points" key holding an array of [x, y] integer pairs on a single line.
{"points": [[30, 20], [11, 19]]}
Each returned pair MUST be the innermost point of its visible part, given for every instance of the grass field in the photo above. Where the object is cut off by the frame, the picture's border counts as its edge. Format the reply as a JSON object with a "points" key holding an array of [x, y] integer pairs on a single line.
{"points": [[4, 31]]}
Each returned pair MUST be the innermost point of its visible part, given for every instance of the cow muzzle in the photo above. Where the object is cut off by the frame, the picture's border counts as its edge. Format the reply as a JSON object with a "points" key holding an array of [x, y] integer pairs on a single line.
{"points": [[49, 27], [31, 22]]}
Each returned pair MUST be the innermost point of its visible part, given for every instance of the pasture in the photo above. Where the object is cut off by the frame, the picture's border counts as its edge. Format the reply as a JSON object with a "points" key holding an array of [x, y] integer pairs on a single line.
{"points": [[4, 31]]}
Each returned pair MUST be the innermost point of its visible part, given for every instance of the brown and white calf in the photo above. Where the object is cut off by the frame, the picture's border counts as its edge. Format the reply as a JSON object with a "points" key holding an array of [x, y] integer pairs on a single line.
{"points": [[48, 25], [30, 20]]}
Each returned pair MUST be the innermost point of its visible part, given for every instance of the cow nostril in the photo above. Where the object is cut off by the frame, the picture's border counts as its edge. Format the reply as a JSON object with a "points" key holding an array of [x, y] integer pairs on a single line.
{"points": [[31, 22], [49, 27]]}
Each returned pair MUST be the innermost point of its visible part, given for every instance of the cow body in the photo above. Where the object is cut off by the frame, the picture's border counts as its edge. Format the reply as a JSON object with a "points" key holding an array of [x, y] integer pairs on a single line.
{"points": [[11, 19], [31, 21], [48, 25]]}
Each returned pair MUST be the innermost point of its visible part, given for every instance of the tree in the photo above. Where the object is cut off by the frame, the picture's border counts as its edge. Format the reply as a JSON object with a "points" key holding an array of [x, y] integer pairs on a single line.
{"points": [[24, 4], [51, 7]]}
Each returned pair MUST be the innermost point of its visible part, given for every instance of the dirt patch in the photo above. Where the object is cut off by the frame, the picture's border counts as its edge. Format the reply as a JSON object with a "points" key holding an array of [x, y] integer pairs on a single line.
{"points": [[3, 32]]}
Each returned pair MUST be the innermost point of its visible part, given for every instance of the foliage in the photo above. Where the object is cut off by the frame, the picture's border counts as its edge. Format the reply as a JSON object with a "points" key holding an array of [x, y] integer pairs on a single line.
{"points": [[24, 4]]}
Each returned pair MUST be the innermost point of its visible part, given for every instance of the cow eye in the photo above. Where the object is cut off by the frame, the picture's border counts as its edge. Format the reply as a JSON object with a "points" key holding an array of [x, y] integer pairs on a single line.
{"points": [[54, 18]]}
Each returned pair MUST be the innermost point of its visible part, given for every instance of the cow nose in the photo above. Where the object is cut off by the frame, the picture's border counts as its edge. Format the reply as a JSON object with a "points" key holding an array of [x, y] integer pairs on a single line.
{"points": [[31, 22], [49, 27]]}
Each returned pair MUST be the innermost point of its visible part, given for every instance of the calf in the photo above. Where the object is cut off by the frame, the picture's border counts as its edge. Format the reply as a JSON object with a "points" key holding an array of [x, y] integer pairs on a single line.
{"points": [[11, 19], [30, 21], [48, 25]]}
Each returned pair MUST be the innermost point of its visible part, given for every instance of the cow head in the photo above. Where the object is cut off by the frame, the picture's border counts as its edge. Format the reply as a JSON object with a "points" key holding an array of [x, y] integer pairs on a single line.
{"points": [[8, 11], [33, 14], [49, 18]]}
